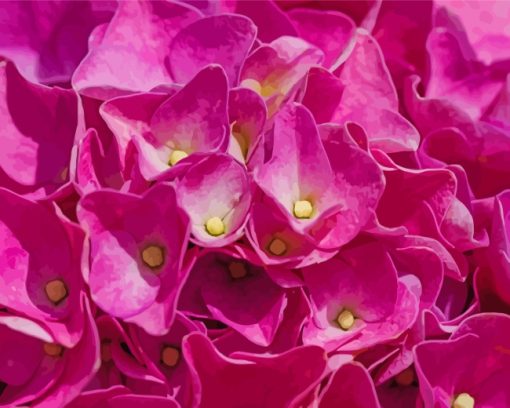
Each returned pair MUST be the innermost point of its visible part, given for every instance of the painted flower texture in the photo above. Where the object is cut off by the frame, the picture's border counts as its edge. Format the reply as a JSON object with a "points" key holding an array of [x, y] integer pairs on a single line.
{"points": [[255, 204]]}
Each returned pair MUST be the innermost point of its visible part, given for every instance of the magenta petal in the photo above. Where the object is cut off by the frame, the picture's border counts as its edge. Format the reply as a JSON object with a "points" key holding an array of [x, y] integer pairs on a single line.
{"points": [[116, 284], [48, 40], [35, 154], [271, 22], [223, 39], [122, 61], [281, 379], [351, 386], [330, 31]]}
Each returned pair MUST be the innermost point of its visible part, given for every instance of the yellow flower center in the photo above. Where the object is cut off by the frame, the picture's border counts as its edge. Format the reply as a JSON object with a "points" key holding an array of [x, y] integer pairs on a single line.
{"points": [[345, 319], [406, 377], [215, 226], [176, 157], [463, 400], [237, 270], [56, 291], [170, 356], [53, 350], [277, 247], [303, 209], [153, 256]]}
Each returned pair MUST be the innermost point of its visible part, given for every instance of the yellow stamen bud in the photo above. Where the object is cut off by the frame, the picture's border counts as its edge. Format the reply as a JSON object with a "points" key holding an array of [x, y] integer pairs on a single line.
{"points": [[303, 209], [52, 349], [277, 247], [345, 319], [177, 156], [56, 291], [153, 256], [237, 270], [215, 226], [406, 377], [170, 356], [463, 400]]}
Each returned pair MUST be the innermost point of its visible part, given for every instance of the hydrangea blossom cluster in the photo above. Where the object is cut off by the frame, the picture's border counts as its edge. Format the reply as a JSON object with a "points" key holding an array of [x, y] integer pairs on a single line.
{"points": [[266, 204]]}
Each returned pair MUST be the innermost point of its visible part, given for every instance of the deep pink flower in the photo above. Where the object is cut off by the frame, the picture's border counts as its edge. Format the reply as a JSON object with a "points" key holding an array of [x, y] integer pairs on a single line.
{"points": [[358, 301], [472, 365], [316, 184], [136, 254], [163, 355], [39, 370], [167, 128], [231, 285], [40, 263], [215, 192]]}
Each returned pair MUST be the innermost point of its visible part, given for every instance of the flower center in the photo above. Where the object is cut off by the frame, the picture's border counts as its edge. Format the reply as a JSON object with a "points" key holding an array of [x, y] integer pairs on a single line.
{"points": [[170, 356], [106, 351], [215, 226], [277, 247], [345, 319], [153, 256], [463, 400], [176, 157], [241, 138], [53, 350], [56, 291], [237, 270], [264, 90], [303, 209], [406, 377]]}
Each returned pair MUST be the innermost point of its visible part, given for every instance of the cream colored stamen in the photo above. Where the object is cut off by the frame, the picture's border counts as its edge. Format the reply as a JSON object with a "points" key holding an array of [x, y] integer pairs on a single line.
{"points": [[345, 319], [153, 256], [215, 226], [170, 356], [53, 350], [463, 400], [56, 291], [303, 209], [406, 377], [176, 157], [277, 247], [237, 270]]}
